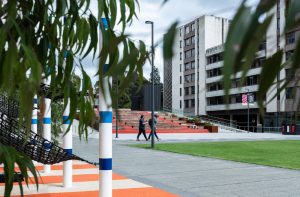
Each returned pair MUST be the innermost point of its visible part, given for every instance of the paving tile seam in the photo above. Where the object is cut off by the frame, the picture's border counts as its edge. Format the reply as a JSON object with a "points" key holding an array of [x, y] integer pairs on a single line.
{"points": [[245, 182]]}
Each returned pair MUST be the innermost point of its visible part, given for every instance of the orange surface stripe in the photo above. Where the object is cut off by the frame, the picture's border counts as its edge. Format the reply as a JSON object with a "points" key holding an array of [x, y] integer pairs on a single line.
{"points": [[76, 178], [136, 192], [58, 167]]}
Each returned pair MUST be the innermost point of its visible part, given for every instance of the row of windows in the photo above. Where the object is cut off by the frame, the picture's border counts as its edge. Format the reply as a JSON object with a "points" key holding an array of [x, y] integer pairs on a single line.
{"points": [[233, 99], [189, 103], [189, 78], [215, 58], [235, 83], [189, 29], [189, 41], [290, 38], [187, 90], [189, 53], [214, 72], [189, 66]]}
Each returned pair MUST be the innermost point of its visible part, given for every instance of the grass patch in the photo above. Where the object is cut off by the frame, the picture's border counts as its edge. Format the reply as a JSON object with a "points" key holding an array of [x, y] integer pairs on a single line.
{"points": [[284, 154]]}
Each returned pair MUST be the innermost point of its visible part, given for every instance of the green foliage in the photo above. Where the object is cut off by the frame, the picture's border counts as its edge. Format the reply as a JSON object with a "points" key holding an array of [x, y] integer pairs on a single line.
{"points": [[9, 157], [156, 76], [34, 37]]}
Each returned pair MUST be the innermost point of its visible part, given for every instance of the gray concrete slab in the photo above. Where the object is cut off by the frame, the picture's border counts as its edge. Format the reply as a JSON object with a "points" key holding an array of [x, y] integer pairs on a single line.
{"points": [[195, 176]]}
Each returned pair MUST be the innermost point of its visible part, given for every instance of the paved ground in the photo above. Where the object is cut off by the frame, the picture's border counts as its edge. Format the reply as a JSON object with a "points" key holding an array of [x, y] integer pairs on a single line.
{"points": [[197, 176]]}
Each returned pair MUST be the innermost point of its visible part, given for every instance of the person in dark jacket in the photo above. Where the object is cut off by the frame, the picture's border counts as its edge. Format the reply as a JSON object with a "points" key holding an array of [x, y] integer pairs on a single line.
{"points": [[142, 129], [154, 127]]}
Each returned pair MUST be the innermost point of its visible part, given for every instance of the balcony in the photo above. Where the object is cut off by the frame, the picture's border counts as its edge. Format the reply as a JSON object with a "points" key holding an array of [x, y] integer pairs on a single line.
{"points": [[235, 106], [214, 65], [253, 88]]}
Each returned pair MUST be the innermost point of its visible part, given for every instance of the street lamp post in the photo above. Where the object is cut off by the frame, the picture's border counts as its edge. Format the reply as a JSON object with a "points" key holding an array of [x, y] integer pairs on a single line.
{"points": [[248, 108], [117, 108], [152, 77]]}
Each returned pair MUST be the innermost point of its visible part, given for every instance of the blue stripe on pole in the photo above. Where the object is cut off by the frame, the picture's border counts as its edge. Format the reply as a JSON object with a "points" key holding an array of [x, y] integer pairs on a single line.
{"points": [[105, 164], [104, 22], [105, 116], [47, 120], [68, 151], [105, 68], [66, 120], [47, 145], [35, 100], [34, 121]]}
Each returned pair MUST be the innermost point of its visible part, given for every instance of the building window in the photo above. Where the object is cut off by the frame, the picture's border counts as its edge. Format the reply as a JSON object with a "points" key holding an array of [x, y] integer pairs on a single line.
{"points": [[187, 30], [180, 92], [193, 77], [180, 67], [290, 38], [193, 52], [187, 54], [186, 91], [193, 90], [289, 74], [187, 66], [187, 42], [180, 104], [180, 56], [289, 93], [193, 40], [180, 43], [197, 76], [192, 102], [187, 78], [180, 32], [193, 27], [262, 46], [186, 103], [192, 65], [214, 58], [180, 80], [289, 54]]}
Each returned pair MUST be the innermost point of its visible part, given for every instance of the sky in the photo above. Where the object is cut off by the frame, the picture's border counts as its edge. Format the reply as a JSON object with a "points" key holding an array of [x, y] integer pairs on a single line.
{"points": [[163, 16]]}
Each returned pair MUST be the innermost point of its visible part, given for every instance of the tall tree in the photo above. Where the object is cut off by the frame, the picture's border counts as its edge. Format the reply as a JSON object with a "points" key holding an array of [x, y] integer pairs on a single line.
{"points": [[156, 76]]}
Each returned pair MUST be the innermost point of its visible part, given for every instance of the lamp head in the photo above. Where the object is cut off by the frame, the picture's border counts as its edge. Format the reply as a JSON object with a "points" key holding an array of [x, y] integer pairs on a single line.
{"points": [[149, 22]]}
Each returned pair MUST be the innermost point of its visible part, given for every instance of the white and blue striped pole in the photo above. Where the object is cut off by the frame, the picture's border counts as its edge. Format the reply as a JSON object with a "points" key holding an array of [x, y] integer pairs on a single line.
{"points": [[67, 141], [34, 119], [105, 131], [47, 123], [67, 146]]}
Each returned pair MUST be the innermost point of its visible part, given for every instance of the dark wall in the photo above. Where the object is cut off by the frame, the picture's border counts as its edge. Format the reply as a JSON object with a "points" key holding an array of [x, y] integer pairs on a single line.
{"points": [[142, 100]]}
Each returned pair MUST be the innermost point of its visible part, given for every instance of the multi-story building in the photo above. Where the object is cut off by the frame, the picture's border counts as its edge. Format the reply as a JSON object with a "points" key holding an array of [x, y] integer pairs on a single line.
{"points": [[184, 77], [195, 73]]}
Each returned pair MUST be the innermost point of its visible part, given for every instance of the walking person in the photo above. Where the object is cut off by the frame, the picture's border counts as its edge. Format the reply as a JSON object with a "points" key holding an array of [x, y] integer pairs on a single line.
{"points": [[142, 129], [154, 127]]}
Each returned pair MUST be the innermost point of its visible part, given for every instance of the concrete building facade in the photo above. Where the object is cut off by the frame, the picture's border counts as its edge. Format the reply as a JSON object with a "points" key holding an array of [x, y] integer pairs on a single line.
{"points": [[196, 71]]}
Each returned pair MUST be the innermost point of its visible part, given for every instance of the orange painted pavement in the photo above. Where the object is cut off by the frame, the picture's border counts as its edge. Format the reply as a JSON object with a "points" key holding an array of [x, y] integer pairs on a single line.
{"points": [[136, 192], [76, 178], [57, 167]]}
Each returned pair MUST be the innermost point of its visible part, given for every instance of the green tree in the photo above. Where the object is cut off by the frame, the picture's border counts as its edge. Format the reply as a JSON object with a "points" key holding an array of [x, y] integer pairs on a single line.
{"points": [[34, 37], [156, 76]]}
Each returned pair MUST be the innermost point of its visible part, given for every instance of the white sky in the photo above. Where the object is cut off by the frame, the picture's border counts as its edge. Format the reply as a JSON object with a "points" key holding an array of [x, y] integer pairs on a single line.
{"points": [[163, 17]]}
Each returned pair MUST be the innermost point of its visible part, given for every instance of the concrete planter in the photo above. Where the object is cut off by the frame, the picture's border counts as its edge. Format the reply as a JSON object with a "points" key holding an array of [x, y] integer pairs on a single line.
{"points": [[212, 129]]}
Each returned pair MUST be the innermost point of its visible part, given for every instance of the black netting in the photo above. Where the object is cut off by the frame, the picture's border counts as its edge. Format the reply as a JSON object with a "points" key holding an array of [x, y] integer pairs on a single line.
{"points": [[10, 107], [31, 144]]}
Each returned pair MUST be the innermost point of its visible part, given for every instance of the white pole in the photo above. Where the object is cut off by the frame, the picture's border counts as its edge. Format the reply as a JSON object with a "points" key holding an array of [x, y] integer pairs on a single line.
{"points": [[67, 141], [105, 132], [34, 119], [47, 123], [67, 145]]}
